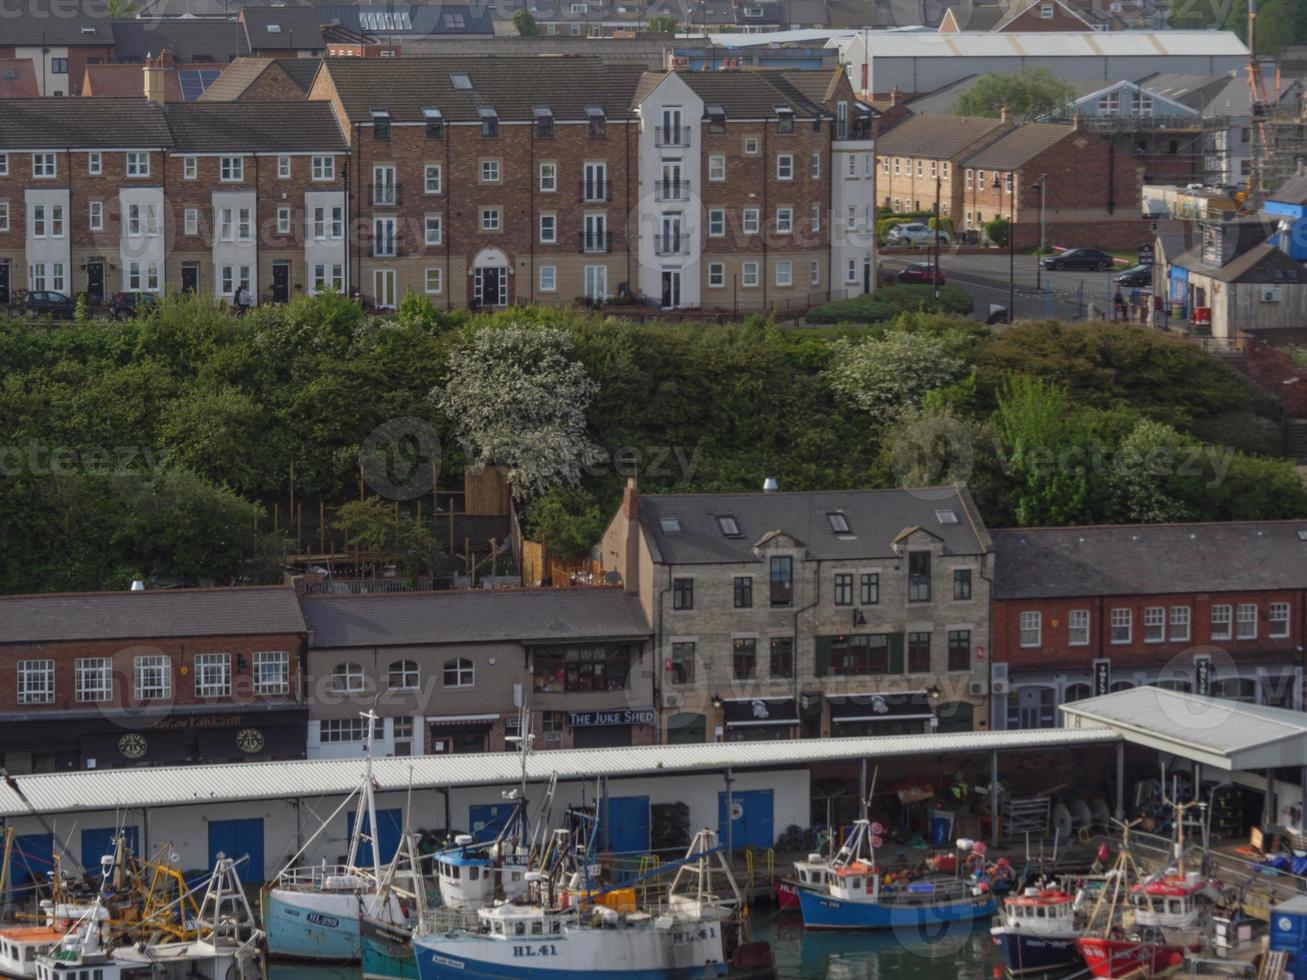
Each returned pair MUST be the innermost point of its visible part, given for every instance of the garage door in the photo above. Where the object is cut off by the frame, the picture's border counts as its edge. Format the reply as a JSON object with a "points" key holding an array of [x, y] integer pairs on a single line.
{"points": [[237, 839], [628, 824], [751, 819]]}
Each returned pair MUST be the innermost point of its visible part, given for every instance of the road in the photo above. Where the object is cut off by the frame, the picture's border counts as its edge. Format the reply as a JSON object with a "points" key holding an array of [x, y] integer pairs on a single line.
{"points": [[1061, 295]]}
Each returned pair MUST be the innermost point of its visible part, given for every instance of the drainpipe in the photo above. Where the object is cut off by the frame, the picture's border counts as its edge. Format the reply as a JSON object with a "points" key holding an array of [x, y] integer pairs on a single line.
{"points": [[532, 218], [256, 216], [816, 598], [762, 221], [662, 603], [447, 133]]}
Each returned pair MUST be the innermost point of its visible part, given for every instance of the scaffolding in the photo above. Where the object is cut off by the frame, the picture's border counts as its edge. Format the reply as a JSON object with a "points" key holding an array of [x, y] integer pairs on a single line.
{"points": [[1278, 137]]}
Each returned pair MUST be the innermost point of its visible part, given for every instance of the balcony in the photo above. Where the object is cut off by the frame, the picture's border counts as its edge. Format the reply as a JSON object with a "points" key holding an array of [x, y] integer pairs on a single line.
{"points": [[672, 190], [596, 242], [671, 243], [596, 191], [387, 250], [671, 136], [385, 195]]}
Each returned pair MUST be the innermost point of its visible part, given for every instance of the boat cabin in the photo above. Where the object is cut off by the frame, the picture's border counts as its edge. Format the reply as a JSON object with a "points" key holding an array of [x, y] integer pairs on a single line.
{"points": [[470, 878], [1172, 902], [21, 945], [1040, 913], [812, 873]]}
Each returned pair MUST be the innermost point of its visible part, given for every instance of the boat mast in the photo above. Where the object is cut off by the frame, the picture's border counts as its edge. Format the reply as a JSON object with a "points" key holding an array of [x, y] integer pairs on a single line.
{"points": [[371, 717]]}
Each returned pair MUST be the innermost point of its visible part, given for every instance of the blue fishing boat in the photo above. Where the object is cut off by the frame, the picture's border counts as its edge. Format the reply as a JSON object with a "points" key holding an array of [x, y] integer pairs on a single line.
{"points": [[1037, 932]]}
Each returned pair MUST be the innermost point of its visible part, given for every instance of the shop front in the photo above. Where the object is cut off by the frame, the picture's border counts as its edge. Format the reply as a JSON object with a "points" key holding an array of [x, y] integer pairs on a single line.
{"points": [[901, 713], [760, 719], [608, 729], [449, 734]]}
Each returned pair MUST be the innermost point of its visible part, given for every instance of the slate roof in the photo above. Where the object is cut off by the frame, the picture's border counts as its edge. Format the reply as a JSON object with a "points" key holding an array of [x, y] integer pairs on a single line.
{"points": [[942, 101], [301, 71], [17, 79], [938, 137], [474, 616], [126, 81], [154, 613], [289, 28], [750, 94], [77, 25], [1250, 234], [238, 76], [512, 86], [42, 124], [215, 127], [427, 19], [875, 518], [1264, 263], [187, 39], [1149, 559], [1021, 145]]}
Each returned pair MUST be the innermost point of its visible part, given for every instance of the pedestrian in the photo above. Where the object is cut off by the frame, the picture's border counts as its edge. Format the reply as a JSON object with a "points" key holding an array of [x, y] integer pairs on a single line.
{"points": [[1119, 303], [243, 299]]}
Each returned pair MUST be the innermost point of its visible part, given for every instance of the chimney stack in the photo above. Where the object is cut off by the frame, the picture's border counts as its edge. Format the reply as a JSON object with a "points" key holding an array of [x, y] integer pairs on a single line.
{"points": [[1003, 114], [631, 500], [155, 89]]}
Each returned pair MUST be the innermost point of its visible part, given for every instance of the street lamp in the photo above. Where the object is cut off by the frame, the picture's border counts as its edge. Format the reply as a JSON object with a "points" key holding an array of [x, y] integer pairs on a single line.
{"points": [[1011, 239], [1039, 257]]}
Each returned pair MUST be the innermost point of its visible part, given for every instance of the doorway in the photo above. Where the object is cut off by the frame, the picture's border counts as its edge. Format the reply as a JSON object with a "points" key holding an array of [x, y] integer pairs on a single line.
{"points": [[280, 281], [383, 288], [4, 282], [95, 282], [671, 288], [190, 277]]}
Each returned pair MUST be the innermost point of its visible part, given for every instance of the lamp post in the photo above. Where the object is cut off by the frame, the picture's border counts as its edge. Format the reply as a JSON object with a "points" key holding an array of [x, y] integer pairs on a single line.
{"points": [[1011, 239], [1039, 257]]}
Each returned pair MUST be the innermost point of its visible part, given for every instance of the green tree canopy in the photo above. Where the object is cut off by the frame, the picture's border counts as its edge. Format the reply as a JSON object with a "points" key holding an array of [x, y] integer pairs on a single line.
{"points": [[379, 526], [1027, 95], [662, 24], [525, 22]]}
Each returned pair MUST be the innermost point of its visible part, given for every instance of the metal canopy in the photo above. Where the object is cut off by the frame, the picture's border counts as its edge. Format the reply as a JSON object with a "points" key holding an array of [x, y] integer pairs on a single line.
{"points": [[1227, 735]]}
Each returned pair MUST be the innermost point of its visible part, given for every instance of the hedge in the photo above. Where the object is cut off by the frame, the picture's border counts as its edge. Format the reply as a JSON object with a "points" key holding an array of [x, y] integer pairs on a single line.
{"points": [[888, 302]]}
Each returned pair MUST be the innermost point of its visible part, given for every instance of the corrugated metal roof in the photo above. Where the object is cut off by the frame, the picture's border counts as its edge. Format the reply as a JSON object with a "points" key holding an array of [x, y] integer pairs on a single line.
{"points": [[68, 792], [1213, 731], [1036, 44]]}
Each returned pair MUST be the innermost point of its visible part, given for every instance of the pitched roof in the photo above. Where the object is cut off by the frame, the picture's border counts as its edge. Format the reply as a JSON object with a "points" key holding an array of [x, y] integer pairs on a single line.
{"points": [[1249, 234], [874, 517], [1021, 145], [1292, 191], [1019, 8], [511, 85], [749, 93], [25, 24], [474, 616], [1149, 559], [282, 28], [939, 137], [976, 16], [404, 20], [42, 124], [182, 83], [301, 71], [1264, 263], [214, 127], [153, 613], [942, 101], [187, 39], [18, 79]]}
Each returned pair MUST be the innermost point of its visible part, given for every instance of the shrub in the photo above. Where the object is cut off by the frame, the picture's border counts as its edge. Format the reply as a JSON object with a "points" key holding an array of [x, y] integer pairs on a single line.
{"points": [[888, 302]]}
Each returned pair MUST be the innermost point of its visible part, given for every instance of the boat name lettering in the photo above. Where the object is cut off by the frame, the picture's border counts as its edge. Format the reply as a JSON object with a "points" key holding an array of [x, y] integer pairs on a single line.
{"points": [[446, 961], [693, 935], [544, 949], [318, 919]]}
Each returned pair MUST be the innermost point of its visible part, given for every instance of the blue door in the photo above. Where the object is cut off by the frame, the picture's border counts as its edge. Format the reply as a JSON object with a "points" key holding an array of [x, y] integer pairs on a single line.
{"points": [[751, 824], [237, 839], [390, 824], [98, 841], [628, 824], [33, 858], [487, 820]]}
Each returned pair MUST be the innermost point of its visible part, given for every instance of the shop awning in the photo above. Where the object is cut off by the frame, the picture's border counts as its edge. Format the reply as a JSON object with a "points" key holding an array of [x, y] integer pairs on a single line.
{"points": [[756, 712], [904, 706], [469, 724]]}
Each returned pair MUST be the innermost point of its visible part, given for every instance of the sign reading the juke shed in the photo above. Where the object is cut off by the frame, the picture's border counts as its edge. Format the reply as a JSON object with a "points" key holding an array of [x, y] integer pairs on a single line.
{"points": [[624, 716]]}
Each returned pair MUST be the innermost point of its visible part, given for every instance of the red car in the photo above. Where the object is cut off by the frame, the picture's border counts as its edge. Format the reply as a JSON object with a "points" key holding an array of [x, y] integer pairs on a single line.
{"points": [[922, 272]]}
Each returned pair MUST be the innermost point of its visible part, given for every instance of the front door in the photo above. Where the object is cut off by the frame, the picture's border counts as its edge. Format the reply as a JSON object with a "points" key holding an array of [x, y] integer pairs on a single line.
{"points": [[95, 281], [280, 282], [4, 283], [383, 288], [491, 286], [671, 288], [190, 277]]}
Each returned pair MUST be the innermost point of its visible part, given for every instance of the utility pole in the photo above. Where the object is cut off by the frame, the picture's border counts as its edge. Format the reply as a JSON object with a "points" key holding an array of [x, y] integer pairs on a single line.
{"points": [[934, 274], [1039, 258]]}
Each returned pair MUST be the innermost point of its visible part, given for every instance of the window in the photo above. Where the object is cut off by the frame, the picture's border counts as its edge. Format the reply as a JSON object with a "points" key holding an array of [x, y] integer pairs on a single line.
{"points": [[490, 171], [43, 165], [586, 668], [1180, 623], [433, 280], [784, 221], [190, 169], [152, 677], [961, 583], [750, 224], [1246, 621], [785, 166], [93, 679], [380, 126], [869, 588], [4, 164], [1278, 617], [814, 217], [597, 120], [1077, 624], [918, 653], [324, 168], [402, 675], [716, 222], [1154, 624], [716, 166], [745, 659], [548, 177], [347, 678], [750, 146], [1122, 625], [231, 169], [432, 229], [919, 576], [782, 656], [35, 681], [431, 178], [1221, 622], [271, 672], [716, 275], [329, 277], [814, 272], [283, 221], [743, 591], [1031, 628], [138, 164], [458, 672], [843, 589], [95, 163], [682, 593], [244, 226], [959, 649], [212, 675], [749, 274], [283, 167], [782, 580], [548, 229], [544, 125], [814, 167], [95, 215], [682, 663], [784, 120], [4, 215], [490, 219], [343, 730], [548, 278], [784, 273], [489, 123], [59, 66], [1046, 11]]}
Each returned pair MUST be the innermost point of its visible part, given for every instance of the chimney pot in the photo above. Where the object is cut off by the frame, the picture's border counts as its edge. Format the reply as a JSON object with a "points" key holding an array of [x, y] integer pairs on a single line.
{"points": [[1003, 114], [770, 485]]}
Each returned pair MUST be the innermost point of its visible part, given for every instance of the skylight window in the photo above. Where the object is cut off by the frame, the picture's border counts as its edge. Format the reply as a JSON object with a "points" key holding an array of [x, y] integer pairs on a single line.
{"points": [[669, 524], [838, 522], [946, 516], [461, 82], [274, 28], [729, 526]]}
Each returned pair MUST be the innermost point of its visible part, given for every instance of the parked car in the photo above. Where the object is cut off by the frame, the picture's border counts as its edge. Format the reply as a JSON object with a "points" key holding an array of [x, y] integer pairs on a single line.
{"points": [[124, 306], [1136, 275], [1079, 258], [921, 272], [45, 303], [914, 233]]}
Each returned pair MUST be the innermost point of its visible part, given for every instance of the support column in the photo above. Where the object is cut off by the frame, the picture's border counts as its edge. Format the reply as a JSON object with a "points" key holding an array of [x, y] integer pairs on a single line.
{"points": [[1120, 780], [145, 833], [862, 787], [730, 820], [299, 823], [993, 797]]}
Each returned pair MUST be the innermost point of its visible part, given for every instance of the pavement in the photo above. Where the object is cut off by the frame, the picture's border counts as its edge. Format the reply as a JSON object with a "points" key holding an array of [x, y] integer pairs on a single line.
{"points": [[1039, 294]]}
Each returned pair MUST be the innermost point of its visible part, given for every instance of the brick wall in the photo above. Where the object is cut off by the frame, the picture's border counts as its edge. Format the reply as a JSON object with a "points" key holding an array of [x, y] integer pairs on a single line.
{"points": [[273, 85]]}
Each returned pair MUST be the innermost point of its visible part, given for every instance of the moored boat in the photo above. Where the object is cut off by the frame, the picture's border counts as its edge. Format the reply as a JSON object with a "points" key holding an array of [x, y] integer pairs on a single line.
{"points": [[1037, 932]]}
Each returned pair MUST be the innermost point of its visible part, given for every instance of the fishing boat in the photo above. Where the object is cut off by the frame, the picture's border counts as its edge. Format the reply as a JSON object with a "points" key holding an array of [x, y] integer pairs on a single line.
{"points": [[1037, 932], [387, 950], [811, 874], [857, 896]]}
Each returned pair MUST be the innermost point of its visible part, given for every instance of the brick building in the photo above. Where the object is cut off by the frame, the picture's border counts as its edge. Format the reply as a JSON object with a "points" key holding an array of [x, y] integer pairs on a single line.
{"points": [[100, 680], [447, 670], [782, 615], [58, 46], [1211, 608], [925, 152]]}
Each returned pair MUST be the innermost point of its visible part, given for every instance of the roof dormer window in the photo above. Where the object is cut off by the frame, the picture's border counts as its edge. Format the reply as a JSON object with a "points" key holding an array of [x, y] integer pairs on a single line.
{"points": [[838, 522], [729, 526]]}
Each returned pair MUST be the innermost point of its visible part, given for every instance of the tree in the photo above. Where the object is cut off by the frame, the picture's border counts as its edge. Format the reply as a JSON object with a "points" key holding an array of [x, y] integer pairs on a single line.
{"points": [[1145, 474], [662, 24], [1026, 95], [525, 23], [517, 399], [568, 521], [379, 527], [884, 376], [122, 9], [996, 231]]}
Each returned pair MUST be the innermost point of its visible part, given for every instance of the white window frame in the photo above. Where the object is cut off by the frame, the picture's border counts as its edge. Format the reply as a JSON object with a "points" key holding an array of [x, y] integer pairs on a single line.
{"points": [[1245, 614], [1122, 619], [348, 678], [1154, 624], [4, 215], [433, 229], [138, 163], [93, 679], [749, 275], [1277, 616], [44, 166], [464, 671], [784, 274], [35, 682], [1031, 626], [547, 177], [95, 215], [814, 166], [814, 217], [814, 272], [716, 275], [231, 170], [716, 222], [492, 171], [1222, 617], [1181, 624], [191, 221], [548, 228], [157, 669], [1077, 628], [283, 167], [750, 221], [283, 221], [785, 221], [433, 179], [271, 672], [716, 167], [94, 163], [190, 168], [785, 166], [213, 675], [324, 168], [492, 219], [548, 279]]}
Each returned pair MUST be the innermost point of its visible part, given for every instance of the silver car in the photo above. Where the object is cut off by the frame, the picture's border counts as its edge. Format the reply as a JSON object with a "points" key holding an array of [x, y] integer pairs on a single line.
{"points": [[914, 233]]}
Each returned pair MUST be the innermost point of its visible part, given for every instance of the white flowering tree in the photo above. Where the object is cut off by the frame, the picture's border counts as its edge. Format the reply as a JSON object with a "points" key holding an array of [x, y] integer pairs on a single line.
{"points": [[886, 376], [517, 399]]}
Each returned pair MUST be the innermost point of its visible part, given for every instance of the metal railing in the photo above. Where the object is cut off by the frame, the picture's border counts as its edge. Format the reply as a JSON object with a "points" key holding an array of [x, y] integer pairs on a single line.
{"points": [[671, 244], [672, 190], [596, 191], [596, 242], [384, 195], [671, 136]]}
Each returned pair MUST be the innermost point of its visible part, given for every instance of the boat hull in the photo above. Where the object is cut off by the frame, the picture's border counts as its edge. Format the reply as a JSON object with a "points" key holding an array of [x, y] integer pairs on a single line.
{"points": [[1112, 959], [387, 952], [787, 895], [1025, 955], [320, 926], [821, 911]]}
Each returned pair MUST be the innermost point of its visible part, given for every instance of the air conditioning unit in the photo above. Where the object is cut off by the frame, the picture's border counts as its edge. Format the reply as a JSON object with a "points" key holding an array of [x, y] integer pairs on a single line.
{"points": [[1271, 294], [999, 687], [978, 687], [673, 700]]}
